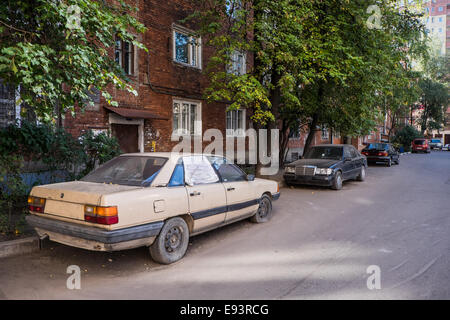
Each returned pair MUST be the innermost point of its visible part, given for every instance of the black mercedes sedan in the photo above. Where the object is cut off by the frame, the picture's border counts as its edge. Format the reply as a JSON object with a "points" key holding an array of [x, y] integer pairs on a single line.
{"points": [[327, 165], [381, 152]]}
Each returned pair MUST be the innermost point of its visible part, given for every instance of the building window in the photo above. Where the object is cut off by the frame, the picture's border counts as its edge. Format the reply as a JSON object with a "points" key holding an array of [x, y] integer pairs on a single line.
{"points": [[440, 9], [187, 118], [124, 55], [187, 48], [235, 122], [337, 134], [233, 7], [325, 134], [238, 65], [294, 133], [440, 19]]}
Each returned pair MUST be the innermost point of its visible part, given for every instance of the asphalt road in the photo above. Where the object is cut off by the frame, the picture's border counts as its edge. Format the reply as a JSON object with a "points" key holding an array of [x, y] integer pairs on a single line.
{"points": [[318, 245]]}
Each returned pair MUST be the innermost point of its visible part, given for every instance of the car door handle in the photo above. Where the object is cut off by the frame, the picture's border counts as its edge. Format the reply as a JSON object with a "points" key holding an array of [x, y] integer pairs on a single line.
{"points": [[195, 193], [230, 189]]}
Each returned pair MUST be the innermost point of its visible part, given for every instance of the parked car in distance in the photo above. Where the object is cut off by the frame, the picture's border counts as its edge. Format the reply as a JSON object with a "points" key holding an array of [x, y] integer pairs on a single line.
{"points": [[327, 165], [435, 144], [157, 200], [446, 147], [420, 145], [381, 153]]}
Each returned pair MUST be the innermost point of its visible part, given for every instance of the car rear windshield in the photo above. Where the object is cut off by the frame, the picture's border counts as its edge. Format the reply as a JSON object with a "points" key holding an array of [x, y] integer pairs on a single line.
{"points": [[419, 142], [377, 146], [332, 153], [435, 141], [127, 170]]}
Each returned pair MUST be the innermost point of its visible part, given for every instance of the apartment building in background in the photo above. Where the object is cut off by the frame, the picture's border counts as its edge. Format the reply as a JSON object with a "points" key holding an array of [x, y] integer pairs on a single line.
{"points": [[437, 22]]}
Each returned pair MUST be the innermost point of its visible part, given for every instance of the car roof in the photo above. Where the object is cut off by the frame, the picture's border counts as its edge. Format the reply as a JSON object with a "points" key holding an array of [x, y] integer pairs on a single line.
{"points": [[163, 178]]}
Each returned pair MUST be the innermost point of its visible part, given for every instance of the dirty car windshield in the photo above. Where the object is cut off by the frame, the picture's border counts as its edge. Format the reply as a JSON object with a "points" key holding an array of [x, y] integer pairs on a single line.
{"points": [[332, 153], [127, 170]]}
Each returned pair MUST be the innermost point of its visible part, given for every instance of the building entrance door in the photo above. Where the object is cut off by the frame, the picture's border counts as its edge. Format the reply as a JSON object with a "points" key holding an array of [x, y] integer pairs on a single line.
{"points": [[127, 135]]}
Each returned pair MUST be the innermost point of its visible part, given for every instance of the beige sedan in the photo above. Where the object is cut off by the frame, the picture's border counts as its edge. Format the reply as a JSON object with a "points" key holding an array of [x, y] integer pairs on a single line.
{"points": [[157, 200]]}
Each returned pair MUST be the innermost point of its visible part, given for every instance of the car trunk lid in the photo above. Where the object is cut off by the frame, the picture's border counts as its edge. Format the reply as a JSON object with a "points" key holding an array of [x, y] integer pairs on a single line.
{"points": [[68, 199]]}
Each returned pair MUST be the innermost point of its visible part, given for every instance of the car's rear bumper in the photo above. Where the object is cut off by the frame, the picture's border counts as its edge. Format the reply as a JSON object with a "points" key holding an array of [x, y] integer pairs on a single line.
{"points": [[373, 159], [316, 180], [92, 238]]}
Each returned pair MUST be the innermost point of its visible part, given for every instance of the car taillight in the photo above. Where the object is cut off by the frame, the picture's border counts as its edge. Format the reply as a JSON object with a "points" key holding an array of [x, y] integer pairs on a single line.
{"points": [[36, 204], [365, 153], [383, 154], [101, 215]]}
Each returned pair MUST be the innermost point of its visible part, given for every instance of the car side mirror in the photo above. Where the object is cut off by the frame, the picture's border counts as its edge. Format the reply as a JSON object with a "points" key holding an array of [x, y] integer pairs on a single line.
{"points": [[250, 177]]}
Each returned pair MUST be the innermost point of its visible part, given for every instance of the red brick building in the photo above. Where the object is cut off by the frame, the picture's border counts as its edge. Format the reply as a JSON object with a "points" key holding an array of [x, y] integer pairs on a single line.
{"points": [[170, 80]]}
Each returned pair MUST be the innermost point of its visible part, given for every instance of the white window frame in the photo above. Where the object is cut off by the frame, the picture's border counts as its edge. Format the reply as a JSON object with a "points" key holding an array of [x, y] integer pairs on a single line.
{"points": [[233, 68], [131, 59], [197, 122], [337, 134], [239, 132], [191, 52]]}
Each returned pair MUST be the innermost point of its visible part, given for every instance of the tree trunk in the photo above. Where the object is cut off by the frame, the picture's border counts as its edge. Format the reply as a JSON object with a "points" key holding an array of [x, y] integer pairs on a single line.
{"points": [[315, 119], [284, 140], [312, 131]]}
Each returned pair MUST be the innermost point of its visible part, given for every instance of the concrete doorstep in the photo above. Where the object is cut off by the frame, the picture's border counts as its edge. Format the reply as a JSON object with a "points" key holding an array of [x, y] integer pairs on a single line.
{"points": [[19, 246]]}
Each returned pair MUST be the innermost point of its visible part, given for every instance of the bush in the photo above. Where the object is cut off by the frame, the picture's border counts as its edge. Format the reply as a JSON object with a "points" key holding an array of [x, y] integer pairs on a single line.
{"points": [[56, 148], [98, 148], [13, 195], [405, 137]]}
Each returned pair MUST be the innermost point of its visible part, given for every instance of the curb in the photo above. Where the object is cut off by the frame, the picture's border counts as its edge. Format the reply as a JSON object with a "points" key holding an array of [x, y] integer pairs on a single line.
{"points": [[19, 246]]}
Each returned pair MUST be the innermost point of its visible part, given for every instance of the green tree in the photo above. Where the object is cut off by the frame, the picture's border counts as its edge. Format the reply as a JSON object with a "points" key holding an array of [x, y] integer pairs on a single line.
{"points": [[434, 101], [56, 58], [315, 62], [405, 136]]}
